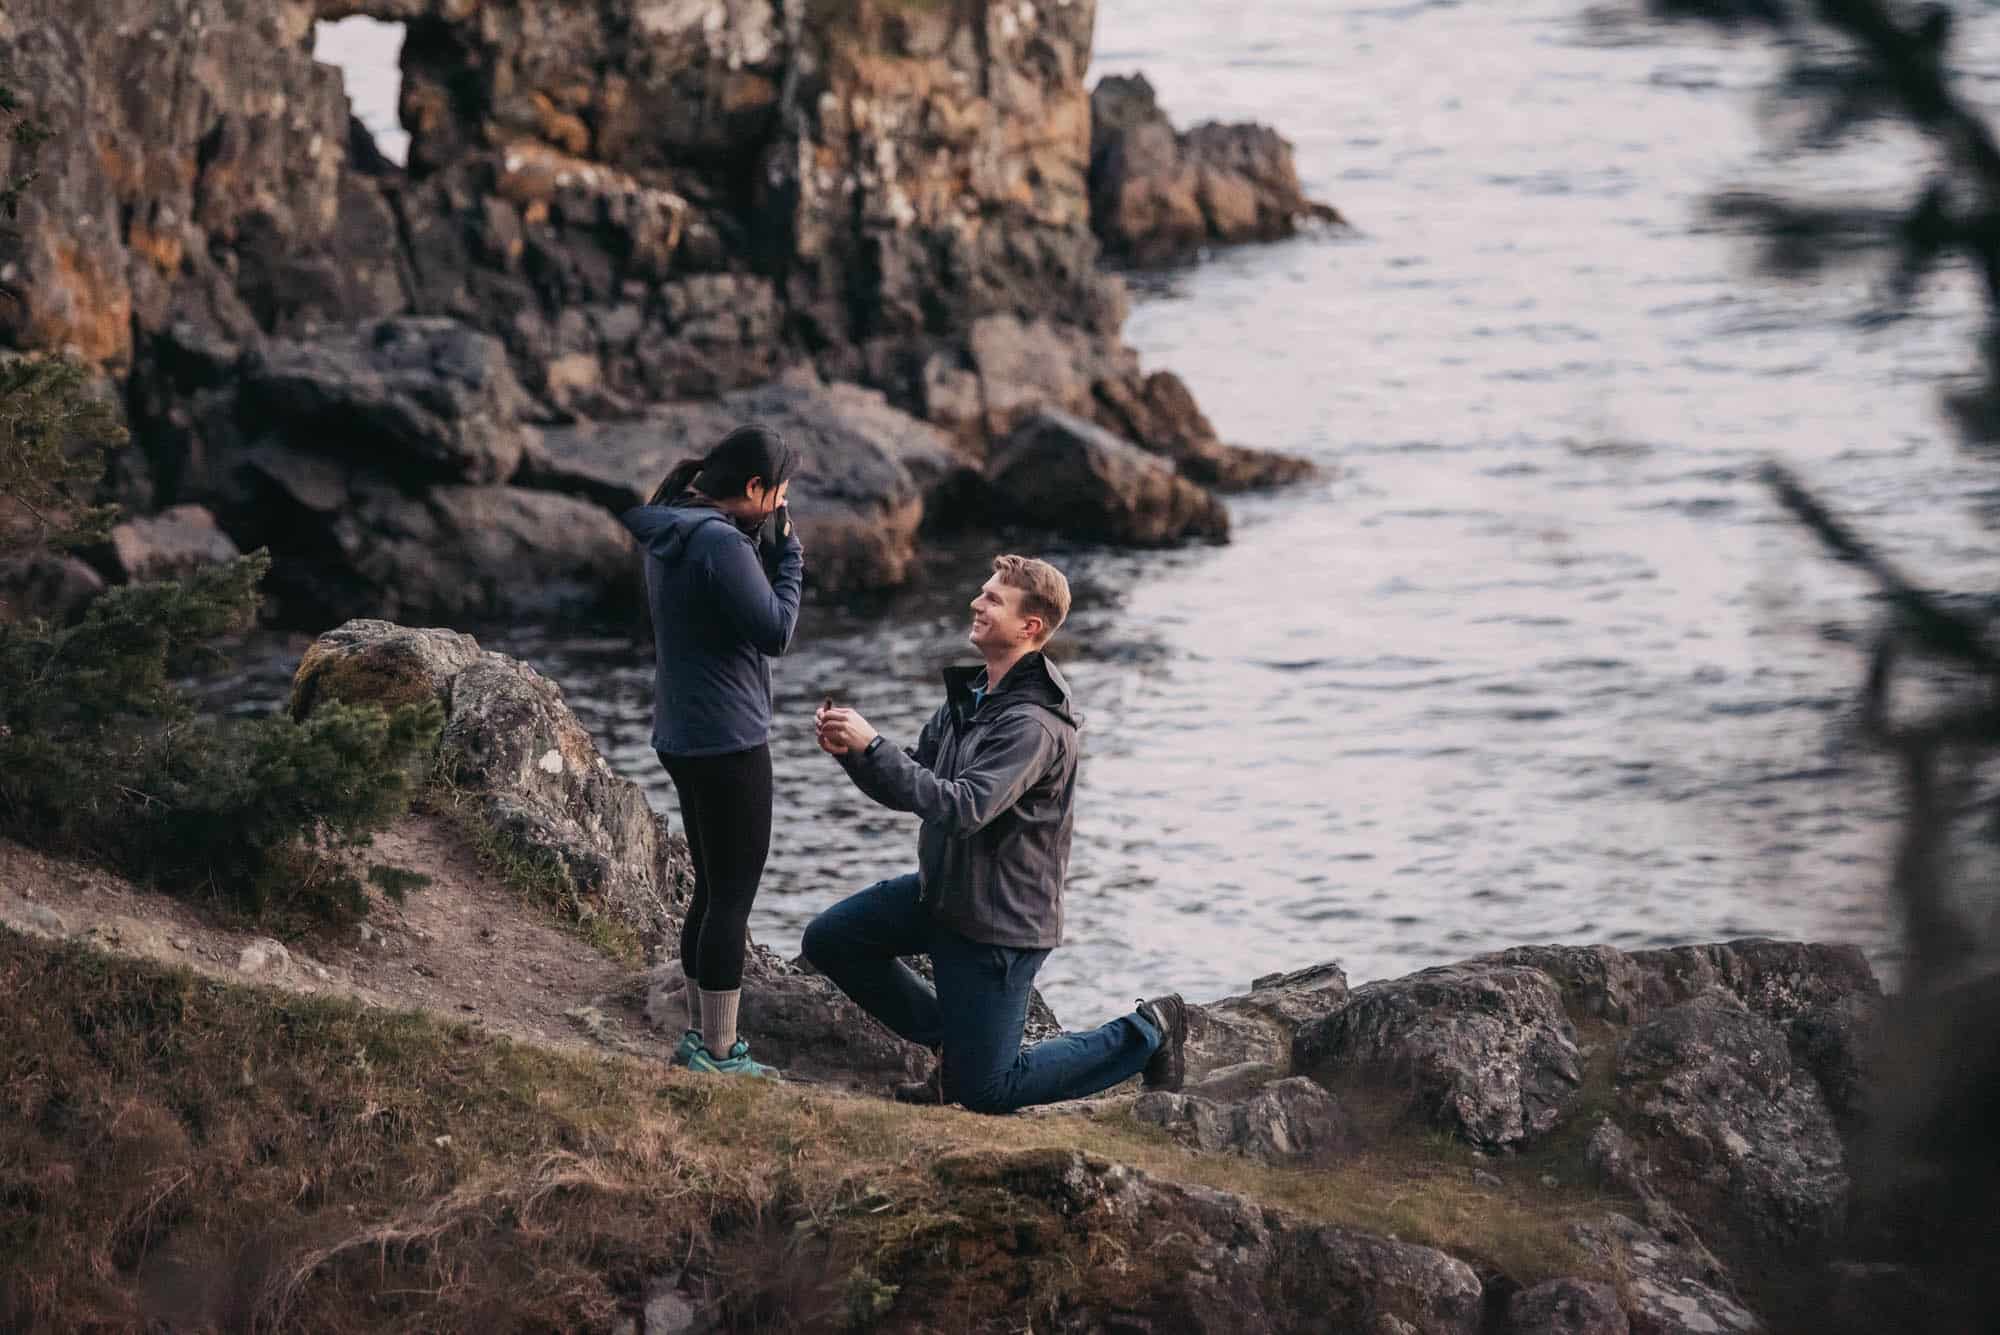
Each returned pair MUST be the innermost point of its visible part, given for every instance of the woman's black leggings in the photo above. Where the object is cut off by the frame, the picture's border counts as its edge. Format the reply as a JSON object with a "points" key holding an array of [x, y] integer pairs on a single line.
{"points": [[726, 806]]}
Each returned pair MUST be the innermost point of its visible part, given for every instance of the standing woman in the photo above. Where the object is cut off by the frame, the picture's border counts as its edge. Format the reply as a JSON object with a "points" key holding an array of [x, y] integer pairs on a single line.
{"points": [[721, 612]]}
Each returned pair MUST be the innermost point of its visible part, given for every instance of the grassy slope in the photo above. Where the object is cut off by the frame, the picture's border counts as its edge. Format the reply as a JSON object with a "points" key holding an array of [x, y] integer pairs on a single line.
{"points": [[175, 1147]]}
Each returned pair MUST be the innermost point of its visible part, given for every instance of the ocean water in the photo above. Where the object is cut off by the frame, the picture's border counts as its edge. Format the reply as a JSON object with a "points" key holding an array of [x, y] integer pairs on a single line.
{"points": [[1538, 659]]}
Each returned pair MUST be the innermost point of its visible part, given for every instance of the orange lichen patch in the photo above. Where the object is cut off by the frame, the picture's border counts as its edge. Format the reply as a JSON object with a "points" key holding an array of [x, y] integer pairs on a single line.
{"points": [[559, 127], [891, 76], [126, 175], [164, 249], [532, 173], [744, 91], [76, 304]]}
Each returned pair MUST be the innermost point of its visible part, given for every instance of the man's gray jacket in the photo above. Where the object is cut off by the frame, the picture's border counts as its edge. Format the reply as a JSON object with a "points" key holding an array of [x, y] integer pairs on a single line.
{"points": [[994, 779]]}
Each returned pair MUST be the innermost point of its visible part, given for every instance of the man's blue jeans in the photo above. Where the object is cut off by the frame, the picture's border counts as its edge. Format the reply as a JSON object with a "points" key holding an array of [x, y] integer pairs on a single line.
{"points": [[978, 1009]]}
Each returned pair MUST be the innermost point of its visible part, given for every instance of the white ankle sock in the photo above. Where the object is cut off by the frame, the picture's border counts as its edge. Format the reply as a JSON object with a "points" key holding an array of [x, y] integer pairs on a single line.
{"points": [[718, 1020]]}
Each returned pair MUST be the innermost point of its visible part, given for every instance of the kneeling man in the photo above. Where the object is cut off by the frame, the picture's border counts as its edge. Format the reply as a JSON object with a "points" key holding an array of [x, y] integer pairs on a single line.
{"points": [[993, 776]]}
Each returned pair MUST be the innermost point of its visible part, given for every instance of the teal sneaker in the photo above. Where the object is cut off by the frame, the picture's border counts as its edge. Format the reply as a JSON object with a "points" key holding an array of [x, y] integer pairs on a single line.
{"points": [[738, 1062], [689, 1045]]}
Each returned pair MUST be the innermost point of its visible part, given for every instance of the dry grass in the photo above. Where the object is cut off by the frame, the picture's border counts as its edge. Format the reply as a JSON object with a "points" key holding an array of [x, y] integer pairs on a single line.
{"points": [[173, 1148]]}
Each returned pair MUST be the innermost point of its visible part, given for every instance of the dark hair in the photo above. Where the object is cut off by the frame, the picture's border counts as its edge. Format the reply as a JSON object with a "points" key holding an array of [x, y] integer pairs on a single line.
{"points": [[748, 451]]}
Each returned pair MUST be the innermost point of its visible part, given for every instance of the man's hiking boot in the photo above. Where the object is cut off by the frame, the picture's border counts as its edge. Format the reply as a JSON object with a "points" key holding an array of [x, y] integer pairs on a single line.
{"points": [[689, 1045], [738, 1062], [1168, 1066], [930, 1091]]}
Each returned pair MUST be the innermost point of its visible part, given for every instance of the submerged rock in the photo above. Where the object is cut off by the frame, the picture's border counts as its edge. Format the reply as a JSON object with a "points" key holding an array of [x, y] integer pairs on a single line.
{"points": [[1160, 413]]}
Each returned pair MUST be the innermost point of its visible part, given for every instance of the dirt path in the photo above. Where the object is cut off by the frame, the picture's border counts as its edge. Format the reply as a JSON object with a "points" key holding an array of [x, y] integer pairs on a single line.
{"points": [[463, 947]]}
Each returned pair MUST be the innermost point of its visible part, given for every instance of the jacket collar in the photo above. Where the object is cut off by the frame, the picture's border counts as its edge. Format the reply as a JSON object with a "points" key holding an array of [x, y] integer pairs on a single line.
{"points": [[1033, 680]]}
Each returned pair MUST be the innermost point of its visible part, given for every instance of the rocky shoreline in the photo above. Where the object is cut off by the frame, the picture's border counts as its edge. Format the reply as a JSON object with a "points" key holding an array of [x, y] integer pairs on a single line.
{"points": [[1697, 1115], [1719, 1091], [423, 388]]}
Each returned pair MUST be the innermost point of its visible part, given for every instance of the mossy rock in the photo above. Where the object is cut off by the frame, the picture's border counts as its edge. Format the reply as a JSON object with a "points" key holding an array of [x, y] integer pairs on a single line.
{"points": [[380, 663]]}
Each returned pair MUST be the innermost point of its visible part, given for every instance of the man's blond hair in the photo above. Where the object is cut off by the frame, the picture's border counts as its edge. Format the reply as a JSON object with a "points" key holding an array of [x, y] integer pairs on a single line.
{"points": [[1044, 590]]}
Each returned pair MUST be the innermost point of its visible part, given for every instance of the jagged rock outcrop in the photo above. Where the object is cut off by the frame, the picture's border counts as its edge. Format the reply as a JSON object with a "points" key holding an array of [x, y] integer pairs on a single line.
{"points": [[637, 202], [1157, 194], [512, 747], [424, 400], [372, 461], [198, 169]]}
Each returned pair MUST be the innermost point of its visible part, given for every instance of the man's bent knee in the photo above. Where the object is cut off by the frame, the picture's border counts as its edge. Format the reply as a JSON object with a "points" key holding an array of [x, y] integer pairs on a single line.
{"points": [[818, 943], [991, 1096]]}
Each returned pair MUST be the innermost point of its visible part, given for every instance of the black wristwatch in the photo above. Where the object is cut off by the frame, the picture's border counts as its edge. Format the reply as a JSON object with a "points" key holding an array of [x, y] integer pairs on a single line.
{"points": [[873, 743]]}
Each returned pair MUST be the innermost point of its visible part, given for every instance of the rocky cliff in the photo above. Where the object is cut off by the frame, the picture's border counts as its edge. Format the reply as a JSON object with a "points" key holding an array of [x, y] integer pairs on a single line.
{"points": [[607, 209]]}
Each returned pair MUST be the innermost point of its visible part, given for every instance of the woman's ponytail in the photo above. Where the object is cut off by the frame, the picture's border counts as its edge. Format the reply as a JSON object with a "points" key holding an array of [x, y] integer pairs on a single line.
{"points": [[675, 484], [748, 452]]}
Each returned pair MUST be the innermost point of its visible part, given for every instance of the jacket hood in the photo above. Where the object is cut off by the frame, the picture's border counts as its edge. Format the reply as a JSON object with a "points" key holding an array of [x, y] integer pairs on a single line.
{"points": [[665, 530], [1035, 680]]}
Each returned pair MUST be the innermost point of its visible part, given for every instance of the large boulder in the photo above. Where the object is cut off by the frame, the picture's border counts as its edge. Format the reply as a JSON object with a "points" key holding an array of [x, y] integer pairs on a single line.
{"points": [[1157, 194], [866, 469], [353, 542], [1481, 1050], [177, 541], [1061, 473], [1729, 1130], [513, 748], [426, 400], [50, 585]]}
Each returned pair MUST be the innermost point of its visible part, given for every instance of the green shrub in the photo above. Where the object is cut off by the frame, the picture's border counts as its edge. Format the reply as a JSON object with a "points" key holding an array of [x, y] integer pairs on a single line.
{"points": [[102, 755]]}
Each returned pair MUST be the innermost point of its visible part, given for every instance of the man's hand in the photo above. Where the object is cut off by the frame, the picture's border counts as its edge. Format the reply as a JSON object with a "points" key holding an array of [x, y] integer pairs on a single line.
{"points": [[842, 732]]}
